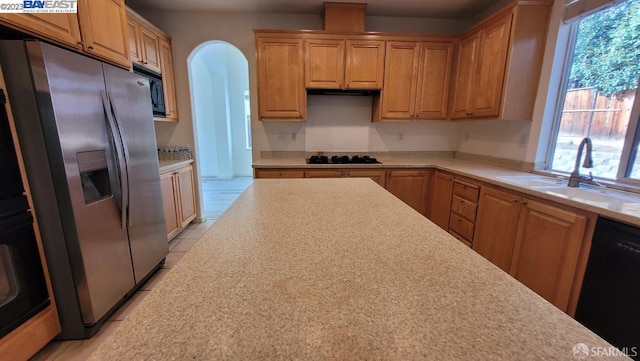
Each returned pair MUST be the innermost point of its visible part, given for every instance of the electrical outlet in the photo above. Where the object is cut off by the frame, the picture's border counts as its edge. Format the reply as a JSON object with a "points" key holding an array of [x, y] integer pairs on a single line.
{"points": [[293, 136], [466, 137], [282, 137], [524, 140], [400, 136]]}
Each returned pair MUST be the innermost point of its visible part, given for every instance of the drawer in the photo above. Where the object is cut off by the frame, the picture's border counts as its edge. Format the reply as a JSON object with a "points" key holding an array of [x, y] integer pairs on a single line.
{"points": [[466, 190], [464, 207], [279, 173], [324, 173], [459, 238], [461, 226]]}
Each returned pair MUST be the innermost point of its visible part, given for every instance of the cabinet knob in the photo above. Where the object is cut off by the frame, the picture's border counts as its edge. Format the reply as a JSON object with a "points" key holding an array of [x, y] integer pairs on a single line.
{"points": [[90, 47], [469, 114], [80, 43], [514, 200], [464, 186], [523, 203], [461, 201], [145, 62]]}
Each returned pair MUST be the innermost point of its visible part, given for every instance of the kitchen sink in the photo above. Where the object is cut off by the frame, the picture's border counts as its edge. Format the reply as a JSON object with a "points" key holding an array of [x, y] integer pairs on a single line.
{"points": [[531, 180], [590, 194]]}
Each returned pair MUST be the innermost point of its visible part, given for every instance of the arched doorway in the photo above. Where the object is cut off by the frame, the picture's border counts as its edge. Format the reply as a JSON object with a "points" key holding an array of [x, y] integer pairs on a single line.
{"points": [[219, 82]]}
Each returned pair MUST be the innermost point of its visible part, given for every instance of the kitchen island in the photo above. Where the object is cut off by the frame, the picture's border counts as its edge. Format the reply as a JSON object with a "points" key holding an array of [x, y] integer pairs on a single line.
{"points": [[325, 269]]}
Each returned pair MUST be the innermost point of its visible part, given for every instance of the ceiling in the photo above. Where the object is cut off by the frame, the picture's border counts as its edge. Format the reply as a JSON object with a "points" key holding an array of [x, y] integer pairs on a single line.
{"points": [[449, 9]]}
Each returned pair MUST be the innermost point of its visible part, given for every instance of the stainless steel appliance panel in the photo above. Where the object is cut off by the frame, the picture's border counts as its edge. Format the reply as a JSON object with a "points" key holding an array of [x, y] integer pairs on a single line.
{"points": [[129, 97], [102, 269]]}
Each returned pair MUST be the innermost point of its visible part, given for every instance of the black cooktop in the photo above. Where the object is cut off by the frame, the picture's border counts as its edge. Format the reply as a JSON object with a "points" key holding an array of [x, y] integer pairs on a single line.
{"points": [[342, 159]]}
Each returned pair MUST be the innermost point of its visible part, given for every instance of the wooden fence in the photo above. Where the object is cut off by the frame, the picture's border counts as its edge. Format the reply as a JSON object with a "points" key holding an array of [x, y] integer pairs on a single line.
{"points": [[588, 113]]}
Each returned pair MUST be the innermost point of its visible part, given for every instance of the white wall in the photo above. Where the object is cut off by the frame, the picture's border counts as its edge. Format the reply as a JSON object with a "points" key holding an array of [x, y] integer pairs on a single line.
{"points": [[219, 74], [337, 123], [190, 29], [204, 112]]}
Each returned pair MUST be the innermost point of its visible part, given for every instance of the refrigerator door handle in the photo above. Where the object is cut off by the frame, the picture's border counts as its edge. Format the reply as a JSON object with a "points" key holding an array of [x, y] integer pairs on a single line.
{"points": [[125, 148], [117, 141]]}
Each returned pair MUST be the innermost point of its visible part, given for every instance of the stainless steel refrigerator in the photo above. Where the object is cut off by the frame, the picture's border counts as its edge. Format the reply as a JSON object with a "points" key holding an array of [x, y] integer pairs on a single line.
{"points": [[88, 140]]}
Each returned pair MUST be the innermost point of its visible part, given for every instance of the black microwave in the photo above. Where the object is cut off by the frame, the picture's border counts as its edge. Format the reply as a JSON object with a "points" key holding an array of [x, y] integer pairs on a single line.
{"points": [[155, 88]]}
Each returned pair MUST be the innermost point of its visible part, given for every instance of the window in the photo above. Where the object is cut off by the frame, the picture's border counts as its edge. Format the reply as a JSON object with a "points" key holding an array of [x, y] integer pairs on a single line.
{"points": [[598, 100], [247, 117]]}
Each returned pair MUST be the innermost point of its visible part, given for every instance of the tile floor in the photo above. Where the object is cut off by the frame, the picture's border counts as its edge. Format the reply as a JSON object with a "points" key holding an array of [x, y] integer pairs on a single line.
{"points": [[80, 350], [218, 196]]}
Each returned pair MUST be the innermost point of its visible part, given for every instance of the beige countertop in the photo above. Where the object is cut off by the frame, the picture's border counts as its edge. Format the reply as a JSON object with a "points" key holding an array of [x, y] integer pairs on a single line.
{"points": [[167, 166], [624, 209], [338, 269]]}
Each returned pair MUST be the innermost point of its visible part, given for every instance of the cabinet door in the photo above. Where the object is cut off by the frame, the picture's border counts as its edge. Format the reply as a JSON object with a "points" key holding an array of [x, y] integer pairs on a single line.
{"points": [[281, 93], [168, 80], [379, 176], [492, 62], [324, 64], [463, 88], [411, 186], [63, 28], [433, 86], [103, 24], [496, 226], [149, 48], [135, 52], [441, 199], [187, 195], [547, 249], [170, 202], [364, 64], [400, 80]]}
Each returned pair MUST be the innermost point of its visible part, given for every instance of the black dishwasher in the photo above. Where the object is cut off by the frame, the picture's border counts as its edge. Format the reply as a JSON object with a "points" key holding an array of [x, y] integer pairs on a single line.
{"points": [[609, 303]]}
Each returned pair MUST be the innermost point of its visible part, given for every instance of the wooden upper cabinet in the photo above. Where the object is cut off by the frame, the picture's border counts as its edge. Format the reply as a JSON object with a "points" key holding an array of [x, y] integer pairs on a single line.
{"points": [[547, 250], [416, 83], [63, 28], [465, 76], [324, 63], [103, 24], [492, 59], [134, 41], [144, 42], [168, 80], [434, 77], [480, 71], [400, 80], [364, 64], [496, 226], [344, 64], [281, 93], [499, 61]]}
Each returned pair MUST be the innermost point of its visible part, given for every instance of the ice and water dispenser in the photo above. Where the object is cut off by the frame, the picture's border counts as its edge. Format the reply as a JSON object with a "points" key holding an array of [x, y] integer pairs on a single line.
{"points": [[94, 174]]}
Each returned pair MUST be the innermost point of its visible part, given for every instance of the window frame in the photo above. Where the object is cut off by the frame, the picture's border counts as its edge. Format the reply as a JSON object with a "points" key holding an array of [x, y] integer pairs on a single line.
{"points": [[632, 137]]}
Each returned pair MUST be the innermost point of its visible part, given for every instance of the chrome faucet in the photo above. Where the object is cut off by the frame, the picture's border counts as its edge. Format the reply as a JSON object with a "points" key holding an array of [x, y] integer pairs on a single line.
{"points": [[575, 179]]}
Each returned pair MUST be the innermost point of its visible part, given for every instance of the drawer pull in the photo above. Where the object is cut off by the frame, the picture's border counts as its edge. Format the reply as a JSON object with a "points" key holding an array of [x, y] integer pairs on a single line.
{"points": [[514, 200]]}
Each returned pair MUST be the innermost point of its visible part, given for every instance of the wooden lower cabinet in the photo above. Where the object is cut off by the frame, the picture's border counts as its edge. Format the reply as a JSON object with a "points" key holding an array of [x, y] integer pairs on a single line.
{"points": [[539, 243], [168, 185], [411, 186], [379, 176], [496, 226], [547, 249], [441, 193], [179, 199]]}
